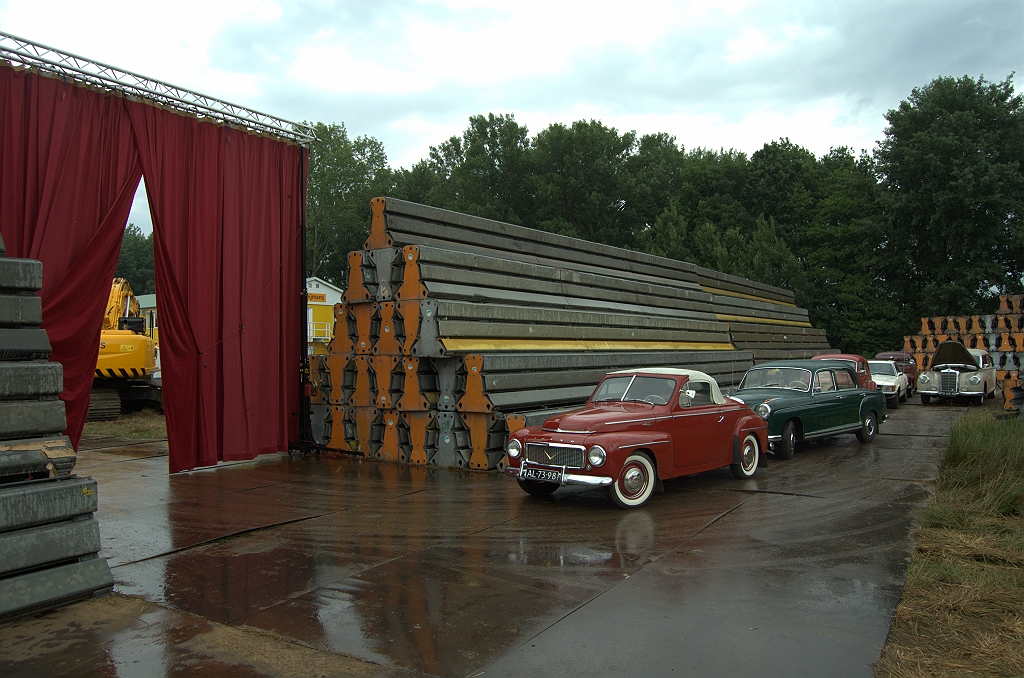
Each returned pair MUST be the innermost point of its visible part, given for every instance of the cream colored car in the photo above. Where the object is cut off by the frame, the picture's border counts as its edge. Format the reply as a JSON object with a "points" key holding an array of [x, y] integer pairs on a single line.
{"points": [[893, 384], [958, 372]]}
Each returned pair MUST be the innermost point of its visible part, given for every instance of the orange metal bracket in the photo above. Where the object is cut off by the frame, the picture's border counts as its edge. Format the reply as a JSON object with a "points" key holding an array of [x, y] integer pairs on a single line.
{"points": [[382, 366], [389, 449], [478, 423], [362, 396], [378, 237], [342, 342], [337, 441], [412, 399], [363, 314], [409, 311], [412, 287], [1005, 305], [363, 417], [336, 365], [387, 343], [355, 291], [418, 423], [514, 422], [926, 326], [473, 399]]}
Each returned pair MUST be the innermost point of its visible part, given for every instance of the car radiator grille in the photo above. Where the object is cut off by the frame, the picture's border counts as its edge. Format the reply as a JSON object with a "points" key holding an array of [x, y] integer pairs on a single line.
{"points": [[555, 455], [947, 381]]}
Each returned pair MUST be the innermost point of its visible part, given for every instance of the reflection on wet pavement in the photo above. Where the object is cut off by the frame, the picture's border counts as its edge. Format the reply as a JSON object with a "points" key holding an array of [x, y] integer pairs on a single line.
{"points": [[448, 573]]}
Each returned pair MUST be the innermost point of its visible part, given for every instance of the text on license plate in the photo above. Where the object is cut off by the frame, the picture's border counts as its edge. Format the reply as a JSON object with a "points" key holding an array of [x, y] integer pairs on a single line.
{"points": [[543, 475]]}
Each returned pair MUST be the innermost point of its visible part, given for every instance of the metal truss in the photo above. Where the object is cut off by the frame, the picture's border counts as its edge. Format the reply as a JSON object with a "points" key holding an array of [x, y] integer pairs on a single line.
{"points": [[79, 69]]}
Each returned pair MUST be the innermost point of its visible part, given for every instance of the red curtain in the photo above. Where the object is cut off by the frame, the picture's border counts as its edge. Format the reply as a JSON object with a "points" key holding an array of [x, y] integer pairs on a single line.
{"points": [[226, 211], [68, 173]]}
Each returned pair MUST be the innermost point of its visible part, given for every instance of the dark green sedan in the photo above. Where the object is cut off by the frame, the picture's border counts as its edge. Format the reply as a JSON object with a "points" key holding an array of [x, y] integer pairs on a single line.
{"points": [[805, 399]]}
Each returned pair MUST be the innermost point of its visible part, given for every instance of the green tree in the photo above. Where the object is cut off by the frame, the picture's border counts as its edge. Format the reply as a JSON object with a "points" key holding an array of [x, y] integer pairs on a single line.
{"points": [[344, 174], [135, 263], [954, 195], [583, 186]]}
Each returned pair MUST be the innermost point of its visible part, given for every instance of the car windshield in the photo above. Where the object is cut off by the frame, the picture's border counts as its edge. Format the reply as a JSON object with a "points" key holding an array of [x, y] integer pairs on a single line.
{"points": [[881, 367], [795, 378], [636, 388]]}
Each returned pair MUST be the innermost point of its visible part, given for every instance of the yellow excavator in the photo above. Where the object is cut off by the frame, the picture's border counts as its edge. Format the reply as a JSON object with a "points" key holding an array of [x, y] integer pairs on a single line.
{"points": [[127, 360]]}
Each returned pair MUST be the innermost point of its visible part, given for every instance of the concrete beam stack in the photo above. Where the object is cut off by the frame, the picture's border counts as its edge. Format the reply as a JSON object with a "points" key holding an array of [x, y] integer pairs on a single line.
{"points": [[48, 538], [453, 327]]}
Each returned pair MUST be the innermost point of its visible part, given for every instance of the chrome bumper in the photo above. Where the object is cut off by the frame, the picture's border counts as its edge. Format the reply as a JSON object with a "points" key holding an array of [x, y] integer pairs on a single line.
{"points": [[567, 478]]}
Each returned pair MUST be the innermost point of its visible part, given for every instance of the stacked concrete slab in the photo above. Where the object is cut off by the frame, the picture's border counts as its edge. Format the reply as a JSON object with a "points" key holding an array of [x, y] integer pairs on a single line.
{"points": [[48, 538], [1001, 334], [454, 329]]}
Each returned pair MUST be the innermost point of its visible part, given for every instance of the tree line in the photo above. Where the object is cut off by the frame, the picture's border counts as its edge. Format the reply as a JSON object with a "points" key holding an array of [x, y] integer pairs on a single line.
{"points": [[929, 223]]}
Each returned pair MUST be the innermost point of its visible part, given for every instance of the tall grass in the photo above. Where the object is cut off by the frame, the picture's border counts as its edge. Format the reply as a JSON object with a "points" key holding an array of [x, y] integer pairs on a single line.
{"points": [[962, 610], [982, 475]]}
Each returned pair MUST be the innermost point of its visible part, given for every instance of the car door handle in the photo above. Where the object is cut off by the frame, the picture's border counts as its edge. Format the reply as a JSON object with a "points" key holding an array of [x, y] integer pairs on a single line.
{"points": [[721, 419]]}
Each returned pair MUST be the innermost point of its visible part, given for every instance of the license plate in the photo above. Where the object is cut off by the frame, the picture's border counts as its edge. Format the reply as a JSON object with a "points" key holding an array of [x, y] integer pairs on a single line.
{"points": [[542, 475]]}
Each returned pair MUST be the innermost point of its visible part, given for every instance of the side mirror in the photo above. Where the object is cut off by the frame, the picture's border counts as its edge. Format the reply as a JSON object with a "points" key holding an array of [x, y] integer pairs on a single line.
{"points": [[690, 394]]}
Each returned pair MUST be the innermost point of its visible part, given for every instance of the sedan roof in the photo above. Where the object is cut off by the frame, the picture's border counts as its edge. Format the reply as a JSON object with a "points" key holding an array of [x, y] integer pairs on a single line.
{"points": [[805, 364], [667, 372]]}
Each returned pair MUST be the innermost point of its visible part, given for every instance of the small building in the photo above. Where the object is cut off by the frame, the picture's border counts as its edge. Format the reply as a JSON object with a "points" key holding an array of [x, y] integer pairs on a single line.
{"points": [[321, 296], [147, 310]]}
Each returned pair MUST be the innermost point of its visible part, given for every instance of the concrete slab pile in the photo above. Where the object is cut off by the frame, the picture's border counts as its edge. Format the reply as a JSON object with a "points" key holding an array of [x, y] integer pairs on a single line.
{"points": [[1000, 334], [48, 537], [454, 328]]}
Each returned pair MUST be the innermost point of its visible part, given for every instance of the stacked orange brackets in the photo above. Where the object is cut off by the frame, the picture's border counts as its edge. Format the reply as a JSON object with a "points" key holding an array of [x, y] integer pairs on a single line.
{"points": [[1000, 334]]}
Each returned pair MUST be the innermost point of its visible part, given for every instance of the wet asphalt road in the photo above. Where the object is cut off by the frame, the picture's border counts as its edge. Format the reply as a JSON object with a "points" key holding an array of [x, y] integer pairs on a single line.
{"points": [[794, 572]]}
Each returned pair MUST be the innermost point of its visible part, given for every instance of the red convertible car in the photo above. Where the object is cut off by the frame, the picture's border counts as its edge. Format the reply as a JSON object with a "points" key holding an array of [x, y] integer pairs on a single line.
{"points": [[639, 427]]}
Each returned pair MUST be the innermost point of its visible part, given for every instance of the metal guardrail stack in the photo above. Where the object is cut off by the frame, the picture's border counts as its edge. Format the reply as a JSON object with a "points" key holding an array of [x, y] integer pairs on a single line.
{"points": [[48, 537], [455, 329], [1001, 334]]}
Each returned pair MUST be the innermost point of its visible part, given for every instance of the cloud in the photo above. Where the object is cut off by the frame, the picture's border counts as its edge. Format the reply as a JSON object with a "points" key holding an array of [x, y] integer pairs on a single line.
{"points": [[713, 74]]}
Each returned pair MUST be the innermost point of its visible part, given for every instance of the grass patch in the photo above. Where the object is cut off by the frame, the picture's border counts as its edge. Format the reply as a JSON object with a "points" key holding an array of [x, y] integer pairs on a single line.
{"points": [[962, 610], [141, 424]]}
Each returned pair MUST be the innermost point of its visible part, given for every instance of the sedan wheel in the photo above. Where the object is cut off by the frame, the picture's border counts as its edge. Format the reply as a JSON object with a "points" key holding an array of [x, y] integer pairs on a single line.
{"points": [[925, 399], [537, 489], [893, 403], [787, 446], [750, 454], [868, 428], [635, 483]]}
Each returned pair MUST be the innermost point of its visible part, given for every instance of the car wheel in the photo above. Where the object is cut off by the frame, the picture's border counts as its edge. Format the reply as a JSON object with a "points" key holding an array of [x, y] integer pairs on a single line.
{"points": [[635, 483], [750, 453], [787, 446], [893, 403], [903, 396], [981, 399], [537, 489], [868, 428], [925, 399]]}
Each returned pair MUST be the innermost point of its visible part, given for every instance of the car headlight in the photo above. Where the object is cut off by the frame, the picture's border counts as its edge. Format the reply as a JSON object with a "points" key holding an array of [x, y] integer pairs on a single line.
{"points": [[514, 448], [924, 379], [975, 379], [764, 410], [596, 455], [888, 388]]}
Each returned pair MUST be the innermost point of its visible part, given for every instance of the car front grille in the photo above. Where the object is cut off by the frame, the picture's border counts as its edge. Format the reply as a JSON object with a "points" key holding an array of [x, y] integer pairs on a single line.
{"points": [[555, 455], [947, 381]]}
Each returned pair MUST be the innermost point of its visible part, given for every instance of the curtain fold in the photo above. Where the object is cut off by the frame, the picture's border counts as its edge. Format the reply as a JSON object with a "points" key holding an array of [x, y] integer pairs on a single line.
{"points": [[226, 211], [68, 171]]}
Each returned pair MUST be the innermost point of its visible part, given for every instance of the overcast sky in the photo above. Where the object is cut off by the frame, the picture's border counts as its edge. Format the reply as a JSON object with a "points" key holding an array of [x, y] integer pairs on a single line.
{"points": [[712, 74]]}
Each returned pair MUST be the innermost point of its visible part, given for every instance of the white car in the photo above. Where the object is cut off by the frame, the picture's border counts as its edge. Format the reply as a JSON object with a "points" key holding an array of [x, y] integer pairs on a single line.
{"points": [[956, 372], [893, 384]]}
